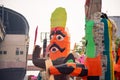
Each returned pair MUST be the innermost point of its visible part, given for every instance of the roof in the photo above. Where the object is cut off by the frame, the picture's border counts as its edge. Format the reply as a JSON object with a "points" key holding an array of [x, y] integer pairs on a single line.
{"points": [[14, 22]]}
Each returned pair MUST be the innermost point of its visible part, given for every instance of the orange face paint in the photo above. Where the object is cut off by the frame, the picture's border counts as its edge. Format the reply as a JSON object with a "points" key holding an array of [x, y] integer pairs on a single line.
{"points": [[59, 43]]}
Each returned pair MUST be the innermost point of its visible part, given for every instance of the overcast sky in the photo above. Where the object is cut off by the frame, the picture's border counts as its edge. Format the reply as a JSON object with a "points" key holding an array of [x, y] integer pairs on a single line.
{"points": [[38, 12]]}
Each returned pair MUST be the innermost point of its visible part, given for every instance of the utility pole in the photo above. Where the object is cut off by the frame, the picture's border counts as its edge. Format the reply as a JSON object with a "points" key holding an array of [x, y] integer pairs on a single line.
{"points": [[91, 7]]}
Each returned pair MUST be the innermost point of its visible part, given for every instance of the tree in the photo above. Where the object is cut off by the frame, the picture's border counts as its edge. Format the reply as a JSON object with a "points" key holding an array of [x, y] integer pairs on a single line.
{"points": [[80, 47]]}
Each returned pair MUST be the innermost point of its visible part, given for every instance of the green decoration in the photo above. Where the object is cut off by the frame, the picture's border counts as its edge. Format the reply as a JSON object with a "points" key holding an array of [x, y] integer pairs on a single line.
{"points": [[90, 48], [58, 18]]}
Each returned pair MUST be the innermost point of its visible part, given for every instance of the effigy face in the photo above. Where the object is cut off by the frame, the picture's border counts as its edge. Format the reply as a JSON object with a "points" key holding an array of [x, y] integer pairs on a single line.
{"points": [[59, 43]]}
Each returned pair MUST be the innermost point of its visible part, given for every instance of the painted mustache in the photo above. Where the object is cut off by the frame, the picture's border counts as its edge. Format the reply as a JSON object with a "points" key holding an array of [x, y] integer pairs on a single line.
{"points": [[54, 47]]}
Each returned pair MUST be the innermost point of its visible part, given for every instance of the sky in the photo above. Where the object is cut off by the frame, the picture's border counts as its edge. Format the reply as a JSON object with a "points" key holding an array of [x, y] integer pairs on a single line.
{"points": [[38, 13]]}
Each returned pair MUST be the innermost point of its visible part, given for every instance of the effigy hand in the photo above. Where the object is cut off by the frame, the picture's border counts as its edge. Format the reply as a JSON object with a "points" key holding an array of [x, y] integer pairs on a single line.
{"points": [[37, 60]]}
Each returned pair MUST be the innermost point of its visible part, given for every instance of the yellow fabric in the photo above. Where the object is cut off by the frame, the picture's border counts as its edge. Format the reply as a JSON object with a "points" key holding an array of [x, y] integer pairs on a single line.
{"points": [[110, 46], [59, 17]]}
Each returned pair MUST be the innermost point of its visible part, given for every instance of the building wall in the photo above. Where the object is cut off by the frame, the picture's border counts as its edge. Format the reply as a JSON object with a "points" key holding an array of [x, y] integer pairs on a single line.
{"points": [[117, 21], [13, 51]]}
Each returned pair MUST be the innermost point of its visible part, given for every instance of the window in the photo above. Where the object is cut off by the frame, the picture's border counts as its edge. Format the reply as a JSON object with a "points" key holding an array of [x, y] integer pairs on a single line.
{"points": [[21, 52], [17, 51], [0, 52], [4, 52]]}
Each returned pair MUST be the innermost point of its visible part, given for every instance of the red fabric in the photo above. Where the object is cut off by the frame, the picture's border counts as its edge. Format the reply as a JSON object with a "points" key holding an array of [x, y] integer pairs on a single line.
{"points": [[118, 51], [36, 32], [94, 66], [117, 67], [54, 71]]}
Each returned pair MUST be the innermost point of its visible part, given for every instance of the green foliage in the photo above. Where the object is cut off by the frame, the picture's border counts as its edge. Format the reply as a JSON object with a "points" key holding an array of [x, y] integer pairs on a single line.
{"points": [[80, 47]]}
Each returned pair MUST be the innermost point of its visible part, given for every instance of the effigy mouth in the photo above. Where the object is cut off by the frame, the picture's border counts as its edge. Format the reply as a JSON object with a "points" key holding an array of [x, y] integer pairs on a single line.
{"points": [[54, 47]]}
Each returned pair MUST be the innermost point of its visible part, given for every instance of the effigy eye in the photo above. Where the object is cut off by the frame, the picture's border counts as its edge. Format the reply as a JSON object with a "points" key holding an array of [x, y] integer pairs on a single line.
{"points": [[51, 37], [54, 49], [59, 37]]}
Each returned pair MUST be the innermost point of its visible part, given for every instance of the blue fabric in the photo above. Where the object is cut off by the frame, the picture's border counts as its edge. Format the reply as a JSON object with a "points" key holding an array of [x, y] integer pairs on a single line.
{"points": [[39, 77], [106, 49]]}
